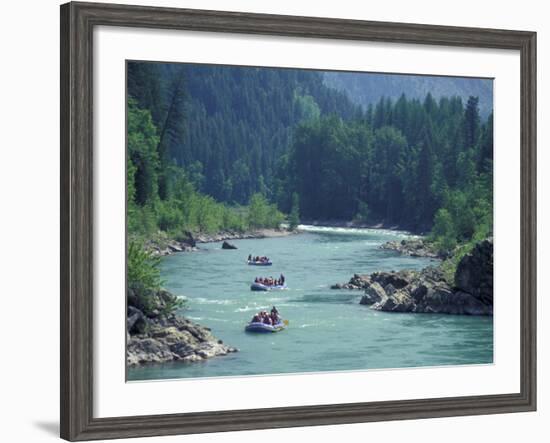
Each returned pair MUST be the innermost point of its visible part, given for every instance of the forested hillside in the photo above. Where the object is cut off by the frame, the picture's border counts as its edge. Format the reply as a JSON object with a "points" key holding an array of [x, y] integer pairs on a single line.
{"points": [[227, 126], [282, 140], [399, 165], [367, 89]]}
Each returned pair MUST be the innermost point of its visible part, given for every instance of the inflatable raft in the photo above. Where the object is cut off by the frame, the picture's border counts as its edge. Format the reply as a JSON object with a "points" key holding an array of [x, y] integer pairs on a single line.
{"points": [[262, 287], [259, 263], [263, 327]]}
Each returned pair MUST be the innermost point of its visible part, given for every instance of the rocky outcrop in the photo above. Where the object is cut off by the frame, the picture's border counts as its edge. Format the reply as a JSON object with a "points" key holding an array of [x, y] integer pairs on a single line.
{"points": [[355, 282], [156, 337], [152, 303], [428, 291], [415, 247], [424, 291], [474, 273], [364, 281], [227, 245], [137, 322], [374, 293], [172, 339], [162, 246]]}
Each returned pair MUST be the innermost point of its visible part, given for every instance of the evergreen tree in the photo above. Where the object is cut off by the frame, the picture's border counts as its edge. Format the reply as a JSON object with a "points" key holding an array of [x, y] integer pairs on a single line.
{"points": [[471, 122], [199, 135], [142, 155]]}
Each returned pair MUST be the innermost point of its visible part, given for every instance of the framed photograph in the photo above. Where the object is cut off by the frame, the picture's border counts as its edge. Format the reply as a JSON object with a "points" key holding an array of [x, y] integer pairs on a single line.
{"points": [[272, 221]]}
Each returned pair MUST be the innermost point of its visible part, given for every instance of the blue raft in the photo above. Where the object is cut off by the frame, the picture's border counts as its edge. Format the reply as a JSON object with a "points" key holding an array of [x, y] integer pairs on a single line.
{"points": [[263, 327], [262, 287]]}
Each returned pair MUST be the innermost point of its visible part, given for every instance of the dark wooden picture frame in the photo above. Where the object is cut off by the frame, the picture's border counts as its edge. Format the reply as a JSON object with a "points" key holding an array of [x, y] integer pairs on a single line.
{"points": [[77, 23]]}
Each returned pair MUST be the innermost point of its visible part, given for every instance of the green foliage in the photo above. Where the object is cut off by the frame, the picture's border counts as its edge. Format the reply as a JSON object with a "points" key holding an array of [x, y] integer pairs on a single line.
{"points": [[261, 214], [235, 219], [181, 207], [294, 216], [466, 215], [405, 162], [142, 154], [171, 305], [465, 219], [201, 135], [471, 122], [208, 214], [450, 264], [143, 275], [363, 213], [236, 122], [443, 231], [169, 216], [324, 165], [307, 107], [141, 220], [143, 268], [385, 174]]}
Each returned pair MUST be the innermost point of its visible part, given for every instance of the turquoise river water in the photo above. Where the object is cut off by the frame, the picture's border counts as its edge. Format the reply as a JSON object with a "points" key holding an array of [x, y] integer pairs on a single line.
{"points": [[328, 329]]}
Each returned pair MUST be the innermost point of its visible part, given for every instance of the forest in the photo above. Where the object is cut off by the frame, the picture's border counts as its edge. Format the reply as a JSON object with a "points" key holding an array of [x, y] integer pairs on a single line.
{"points": [[237, 148]]}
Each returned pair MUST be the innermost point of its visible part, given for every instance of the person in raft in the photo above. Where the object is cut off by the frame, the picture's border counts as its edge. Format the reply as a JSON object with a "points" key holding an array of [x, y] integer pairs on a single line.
{"points": [[267, 319], [270, 281], [275, 316], [261, 317], [272, 318], [257, 259]]}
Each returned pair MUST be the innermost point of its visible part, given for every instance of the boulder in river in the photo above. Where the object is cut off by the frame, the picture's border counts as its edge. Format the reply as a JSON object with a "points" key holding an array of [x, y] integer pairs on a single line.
{"points": [[227, 245]]}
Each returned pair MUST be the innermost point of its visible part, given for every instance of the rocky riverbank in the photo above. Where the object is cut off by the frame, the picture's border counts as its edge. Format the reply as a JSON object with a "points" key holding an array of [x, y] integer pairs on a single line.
{"points": [[188, 242], [428, 291], [416, 247], [157, 335]]}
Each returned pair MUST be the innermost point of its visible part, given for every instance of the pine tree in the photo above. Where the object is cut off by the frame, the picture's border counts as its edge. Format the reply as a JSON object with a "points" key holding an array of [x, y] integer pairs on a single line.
{"points": [[471, 122]]}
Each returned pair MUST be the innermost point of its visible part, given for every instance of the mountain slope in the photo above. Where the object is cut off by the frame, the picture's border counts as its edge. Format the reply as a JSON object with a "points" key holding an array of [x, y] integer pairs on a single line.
{"points": [[367, 88], [228, 126]]}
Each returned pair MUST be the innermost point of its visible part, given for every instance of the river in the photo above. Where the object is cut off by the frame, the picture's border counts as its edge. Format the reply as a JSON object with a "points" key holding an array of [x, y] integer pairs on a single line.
{"points": [[328, 330]]}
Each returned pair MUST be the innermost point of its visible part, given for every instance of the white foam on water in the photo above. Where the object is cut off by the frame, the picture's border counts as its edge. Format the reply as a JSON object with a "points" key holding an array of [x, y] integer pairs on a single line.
{"points": [[208, 301], [355, 231], [250, 308]]}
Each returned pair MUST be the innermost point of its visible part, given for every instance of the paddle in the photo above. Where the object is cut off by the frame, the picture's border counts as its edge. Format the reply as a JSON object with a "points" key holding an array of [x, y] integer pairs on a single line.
{"points": [[285, 322]]}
